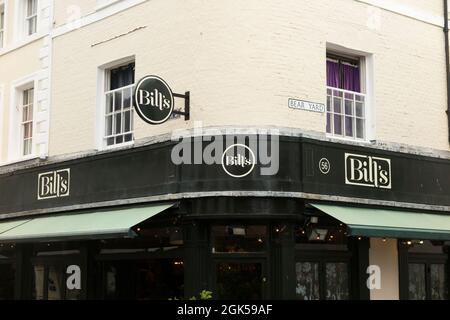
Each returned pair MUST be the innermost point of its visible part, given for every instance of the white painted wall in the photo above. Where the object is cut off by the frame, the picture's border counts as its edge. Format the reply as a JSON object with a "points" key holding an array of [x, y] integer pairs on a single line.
{"points": [[385, 255]]}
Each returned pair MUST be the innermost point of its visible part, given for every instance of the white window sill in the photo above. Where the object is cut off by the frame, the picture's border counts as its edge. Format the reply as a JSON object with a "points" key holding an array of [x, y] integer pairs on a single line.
{"points": [[125, 145], [330, 136]]}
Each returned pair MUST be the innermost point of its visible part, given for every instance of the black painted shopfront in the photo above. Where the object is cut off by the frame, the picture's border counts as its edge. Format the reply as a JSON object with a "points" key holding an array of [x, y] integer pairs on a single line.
{"points": [[251, 237]]}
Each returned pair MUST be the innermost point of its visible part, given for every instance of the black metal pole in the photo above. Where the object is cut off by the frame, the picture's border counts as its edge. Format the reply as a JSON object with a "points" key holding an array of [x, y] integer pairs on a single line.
{"points": [[447, 63]]}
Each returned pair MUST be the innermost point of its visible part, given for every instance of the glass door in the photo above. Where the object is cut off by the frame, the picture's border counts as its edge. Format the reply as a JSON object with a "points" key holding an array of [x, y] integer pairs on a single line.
{"points": [[58, 278], [240, 280], [427, 281], [322, 280]]}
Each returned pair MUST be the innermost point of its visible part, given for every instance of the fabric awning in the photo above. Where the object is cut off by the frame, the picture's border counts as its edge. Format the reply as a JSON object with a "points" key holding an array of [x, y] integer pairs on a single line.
{"points": [[387, 223], [99, 224], [6, 226]]}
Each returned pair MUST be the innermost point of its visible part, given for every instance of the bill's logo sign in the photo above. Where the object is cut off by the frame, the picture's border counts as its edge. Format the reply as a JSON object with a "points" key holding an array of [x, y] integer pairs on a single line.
{"points": [[367, 171], [153, 100], [54, 184], [238, 161]]}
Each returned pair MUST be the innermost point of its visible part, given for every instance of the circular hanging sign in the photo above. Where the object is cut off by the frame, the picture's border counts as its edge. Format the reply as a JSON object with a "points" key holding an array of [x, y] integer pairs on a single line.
{"points": [[153, 100]]}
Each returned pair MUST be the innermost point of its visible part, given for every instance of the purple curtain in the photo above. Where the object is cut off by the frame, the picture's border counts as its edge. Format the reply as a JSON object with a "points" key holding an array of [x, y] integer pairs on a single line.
{"points": [[348, 80], [351, 78], [333, 74]]}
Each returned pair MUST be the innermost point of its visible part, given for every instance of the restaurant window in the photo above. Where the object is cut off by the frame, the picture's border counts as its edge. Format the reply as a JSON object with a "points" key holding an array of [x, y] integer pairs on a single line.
{"points": [[346, 100], [118, 105], [322, 263], [427, 268], [147, 267], [240, 261], [239, 239], [57, 272]]}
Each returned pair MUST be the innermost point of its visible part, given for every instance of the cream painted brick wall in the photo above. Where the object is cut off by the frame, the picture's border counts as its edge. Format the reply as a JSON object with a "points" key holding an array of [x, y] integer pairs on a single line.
{"points": [[15, 65], [243, 60], [66, 11]]}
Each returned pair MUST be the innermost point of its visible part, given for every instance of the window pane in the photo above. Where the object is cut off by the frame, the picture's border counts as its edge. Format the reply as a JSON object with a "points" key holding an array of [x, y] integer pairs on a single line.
{"points": [[128, 137], [127, 98], [109, 103], [359, 109], [118, 123], [328, 103], [337, 124], [351, 77], [337, 105], [132, 119], [307, 280], [27, 147], [31, 7], [27, 130], [122, 76], [32, 25], [328, 122], [25, 114], [119, 139], [127, 121], [28, 113], [360, 130], [117, 100], [437, 286], [109, 126], [110, 141], [336, 280], [38, 292], [2, 18], [333, 74], [349, 107], [349, 126], [55, 283], [239, 281], [417, 283]]}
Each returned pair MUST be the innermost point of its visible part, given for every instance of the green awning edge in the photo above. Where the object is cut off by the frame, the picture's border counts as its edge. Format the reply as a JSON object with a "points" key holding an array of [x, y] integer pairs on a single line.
{"points": [[366, 222], [383, 232], [81, 225]]}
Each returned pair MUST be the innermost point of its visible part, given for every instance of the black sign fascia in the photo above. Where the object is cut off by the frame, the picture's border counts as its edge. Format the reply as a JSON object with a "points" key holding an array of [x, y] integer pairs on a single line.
{"points": [[149, 171], [413, 178]]}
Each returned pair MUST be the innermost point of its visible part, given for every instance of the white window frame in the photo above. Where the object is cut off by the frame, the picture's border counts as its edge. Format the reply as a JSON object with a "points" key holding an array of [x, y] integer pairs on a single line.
{"points": [[21, 20], [15, 138], [103, 77], [23, 123], [366, 76], [28, 18], [2, 28]]}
